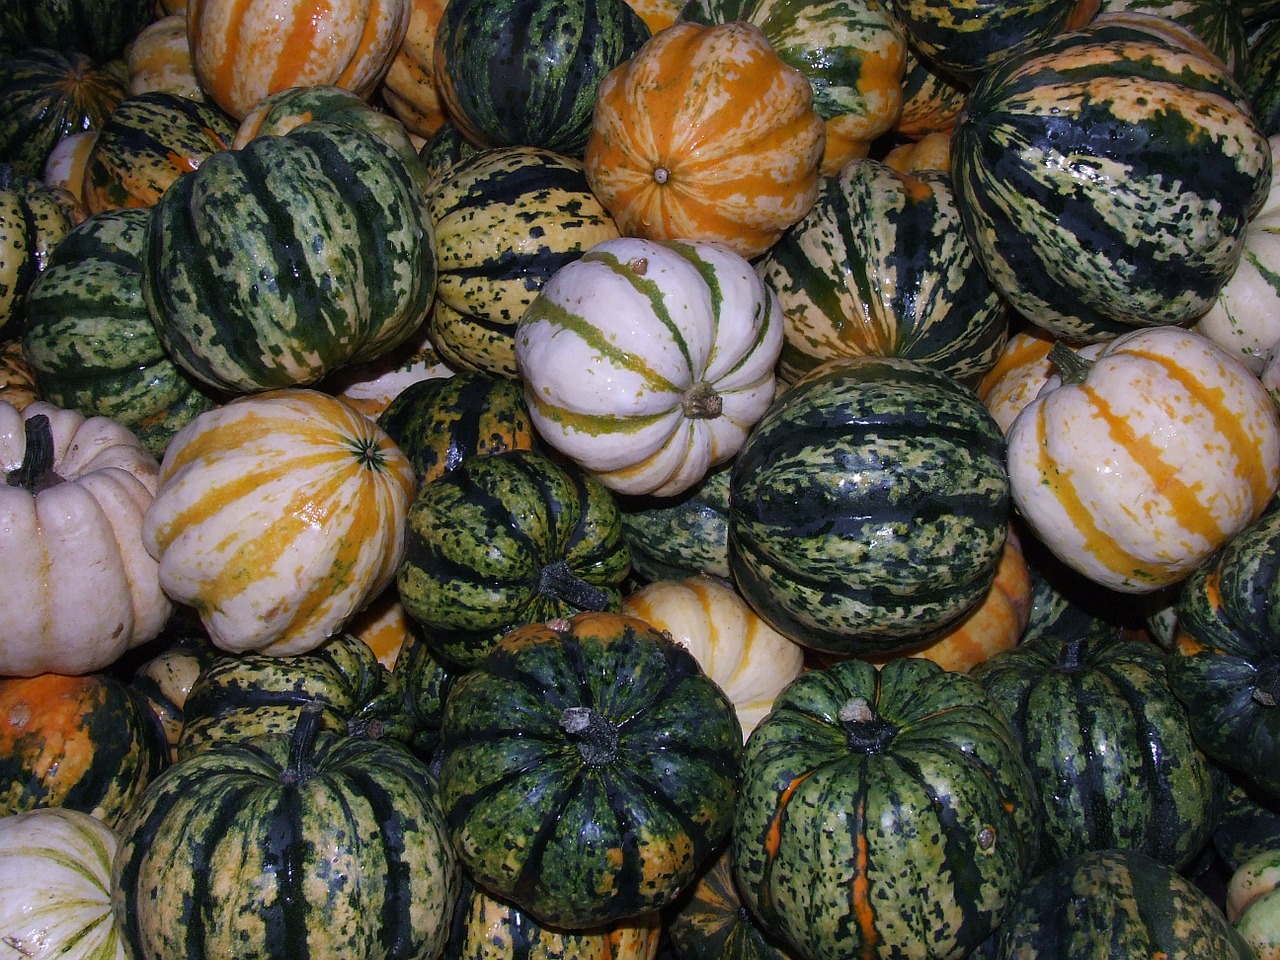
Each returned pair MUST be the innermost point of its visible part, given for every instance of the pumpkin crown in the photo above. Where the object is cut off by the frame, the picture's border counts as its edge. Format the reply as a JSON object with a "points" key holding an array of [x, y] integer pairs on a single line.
{"points": [[865, 730], [595, 735]]}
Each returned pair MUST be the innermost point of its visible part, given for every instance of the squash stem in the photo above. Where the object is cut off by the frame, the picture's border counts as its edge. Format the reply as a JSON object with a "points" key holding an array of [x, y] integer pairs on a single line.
{"points": [[560, 583], [35, 473], [302, 745], [865, 731], [701, 402], [595, 736], [1266, 689], [1072, 367]]}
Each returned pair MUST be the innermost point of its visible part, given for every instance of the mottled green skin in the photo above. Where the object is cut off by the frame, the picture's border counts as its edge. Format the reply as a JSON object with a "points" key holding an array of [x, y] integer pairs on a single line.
{"points": [[273, 265], [1115, 905], [676, 537], [575, 836], [237, 696], [101, 29], [46, 95], [90, 340], [907, 842], [869, 506], [711, 923], [881, 265], [426, 683], [1109, 746], [1261, 78], [478, 540], [34, 219], [239, 852], [443, 149], [1145, 224], [526, 71], [1225, 662], [1218, 23]]}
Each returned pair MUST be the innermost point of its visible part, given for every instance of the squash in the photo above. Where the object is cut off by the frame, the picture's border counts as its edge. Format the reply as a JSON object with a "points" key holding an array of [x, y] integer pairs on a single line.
{"points": [[66, 163], [164, 680], [55, 886], [409, 89], [426, 683], [370, 385], [1251, 903], [881, 267], [294, 486], [443, 149], [100, 30], [80, 588], [883, 813], [160, 59], [869, 507], [1019, 373], [930, 152], [384, 627], [647, 363], [244, 52], [931, 102], [749, 660], [17, 379], [1144, 457], [606, 749], [710, 921], [676, 537], [1258, 79], [323, 846], [705, 134], [1219, 25], [34, 218], [504, 540]]}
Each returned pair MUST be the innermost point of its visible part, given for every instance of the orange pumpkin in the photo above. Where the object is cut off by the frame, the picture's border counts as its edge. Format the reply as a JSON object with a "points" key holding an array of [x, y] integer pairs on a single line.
{"points": [[930, 152], [657, 14], [409, 88], [705, 134]]}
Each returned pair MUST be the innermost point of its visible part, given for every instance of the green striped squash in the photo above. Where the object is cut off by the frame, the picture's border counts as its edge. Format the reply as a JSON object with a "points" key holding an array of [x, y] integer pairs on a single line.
{"points": [[164, 680], [1261, 78], [505, 540], [1108, 744], [323, 847], [426, 683], [1219, 23], [881, 266], [869, 507], [34, 219], [1106, 904], [90, 339], [676, 537], [603, 747], [930, 101], [46, 95], [710, 922], [276, 264], [525, 72], [443, 149], [1144, 224], [505, 220], [883, 814], [100, 29]]}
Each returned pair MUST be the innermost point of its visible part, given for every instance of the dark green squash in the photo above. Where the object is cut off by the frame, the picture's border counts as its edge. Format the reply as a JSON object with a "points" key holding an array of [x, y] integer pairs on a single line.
{"points": [[1261, 79], [34, 219], [425, 683], [506, 540], [443, 149], [883, 813], [676, 537], [100, 29], [602, 746], [710, 922], [1219, 24]]}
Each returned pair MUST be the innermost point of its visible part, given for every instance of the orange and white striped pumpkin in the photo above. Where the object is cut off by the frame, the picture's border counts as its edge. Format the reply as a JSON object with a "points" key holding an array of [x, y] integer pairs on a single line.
{"points": [[705, 134], [242, 51], [747, 658], [1142, 465], [647, 363], [1020, 372], [409, 87], [279, 515]]}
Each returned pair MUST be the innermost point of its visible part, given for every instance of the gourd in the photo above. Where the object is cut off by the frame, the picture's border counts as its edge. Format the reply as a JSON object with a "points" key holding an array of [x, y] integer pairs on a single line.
{"points": [[1019, 373], [17, 379], [675, 537], [710, 921], [99, 30], [1219, 25], [34, 218], [409, 87], [1251, 903], [160, 59]]}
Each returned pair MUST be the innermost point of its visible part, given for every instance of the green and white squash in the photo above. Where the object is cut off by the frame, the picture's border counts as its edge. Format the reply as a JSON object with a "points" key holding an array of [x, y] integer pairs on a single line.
{"points": [[34, 218], [676, 537], [1220, 25]]}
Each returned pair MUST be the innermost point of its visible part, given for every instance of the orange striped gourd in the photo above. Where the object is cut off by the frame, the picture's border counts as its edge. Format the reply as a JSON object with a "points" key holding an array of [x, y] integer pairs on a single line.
{"points": [[1020, 372]]}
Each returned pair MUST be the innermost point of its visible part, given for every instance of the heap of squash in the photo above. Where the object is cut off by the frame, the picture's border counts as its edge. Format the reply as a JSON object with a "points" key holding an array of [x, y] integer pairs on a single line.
{"points": [[586, 478]]}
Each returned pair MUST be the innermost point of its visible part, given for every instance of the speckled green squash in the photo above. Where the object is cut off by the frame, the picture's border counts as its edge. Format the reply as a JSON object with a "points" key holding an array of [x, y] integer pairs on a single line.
{"points": [[710, 922], [34, 219], [506, 540], [443, 149], [426, 683], [1145, 223], [90, 339], [273, 265], [505, 220], [165, 678], [1261, 79], [881, 266], [1219, 23], [1109, 746], [676, 537], [869, 506], [322, 847], [590, 769], [883, 814], [101, 29], [535, 85]]}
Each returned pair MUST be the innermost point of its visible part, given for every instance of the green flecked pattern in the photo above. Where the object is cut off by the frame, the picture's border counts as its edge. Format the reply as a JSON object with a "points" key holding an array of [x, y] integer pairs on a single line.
{"points": [[226, 856], [102, 31], [869, 507], [579, 841], [881, 266], [478, 539], [273, 265], [1261, 78], [1129, 213], [676, 537], [711, 923], [1109, 746], [90, 339], [34, 219], [1220, 25], [913, 847]]}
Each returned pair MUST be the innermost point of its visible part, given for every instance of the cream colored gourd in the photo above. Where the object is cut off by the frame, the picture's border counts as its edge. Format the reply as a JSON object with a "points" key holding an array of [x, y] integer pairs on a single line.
{"points": [[1253, 902], [1020, 372], [1140, 471], [750, 660], [278, 516], [79, 587], [160, 59], [648, 362]]}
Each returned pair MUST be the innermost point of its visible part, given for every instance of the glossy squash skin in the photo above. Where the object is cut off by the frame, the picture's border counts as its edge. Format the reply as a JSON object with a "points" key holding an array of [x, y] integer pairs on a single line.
{"points": [[34, 218], [100, 30], [676, 537], [1220, 26], [604, 745], [1019, 373], [160, 59], [710, 922]]}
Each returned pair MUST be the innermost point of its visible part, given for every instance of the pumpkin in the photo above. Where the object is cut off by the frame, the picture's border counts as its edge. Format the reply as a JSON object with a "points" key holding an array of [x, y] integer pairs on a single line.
{"points": [[710, 921], [647, 363], [164, 680], [675, 537], [384, 627], [323, 846], [55, 885], [409, 88], [80, 588], [99, 30], [883, 813], [930, 152], [705, 134], [17, 379], [869, 507], [1250, 904], [248, 293], [607, 750], [505, 221], [657, 14], [65, 166], [1144, 457], [1143, 224], [1019, 373], [881, 266], [33, 220], [1219, 25], [90, 340], [243, 52], [160, 59], [85, 743], [277, 517], [505, 540]]}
